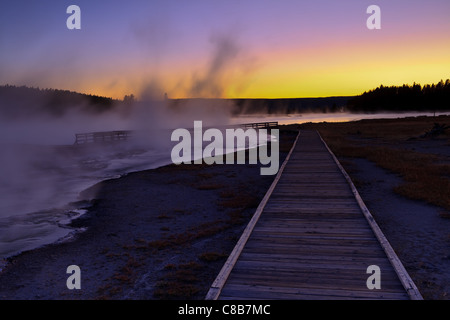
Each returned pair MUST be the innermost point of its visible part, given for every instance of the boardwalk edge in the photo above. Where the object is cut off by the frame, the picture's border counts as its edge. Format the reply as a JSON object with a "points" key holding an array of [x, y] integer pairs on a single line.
{"points": [[403, 275], [219, 282]]}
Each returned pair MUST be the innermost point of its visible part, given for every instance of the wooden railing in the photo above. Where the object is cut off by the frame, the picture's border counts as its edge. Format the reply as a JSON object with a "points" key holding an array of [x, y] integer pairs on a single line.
{"points": [[260, 125], [112, 136], [100, 137]]}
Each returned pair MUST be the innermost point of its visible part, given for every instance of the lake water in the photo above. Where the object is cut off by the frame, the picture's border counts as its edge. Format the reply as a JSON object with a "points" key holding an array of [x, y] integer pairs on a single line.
{"points": [[328, 117], [41, 183]]}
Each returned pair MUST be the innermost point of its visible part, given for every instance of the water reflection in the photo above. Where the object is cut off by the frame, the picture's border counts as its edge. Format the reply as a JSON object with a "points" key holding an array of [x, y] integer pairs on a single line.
{"points": [[328, 117]]}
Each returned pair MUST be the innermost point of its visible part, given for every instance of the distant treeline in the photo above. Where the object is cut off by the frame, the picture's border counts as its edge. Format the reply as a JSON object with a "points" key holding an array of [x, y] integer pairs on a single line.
{"points": [[269, 106], [434, 97], [290, 106], [25, 101], [22, 101]]}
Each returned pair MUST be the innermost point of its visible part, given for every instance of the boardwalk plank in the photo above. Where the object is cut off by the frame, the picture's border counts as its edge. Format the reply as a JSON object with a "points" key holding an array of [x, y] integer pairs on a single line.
{"points": [[274, 292]]}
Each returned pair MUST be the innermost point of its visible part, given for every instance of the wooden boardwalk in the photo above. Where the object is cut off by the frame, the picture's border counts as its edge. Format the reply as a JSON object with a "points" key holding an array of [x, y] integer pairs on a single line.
{"points": [[311, 238]]}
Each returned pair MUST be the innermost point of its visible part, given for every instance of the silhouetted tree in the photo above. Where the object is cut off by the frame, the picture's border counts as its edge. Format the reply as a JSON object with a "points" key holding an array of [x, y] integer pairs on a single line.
{"points": [[129, 100], [404, 98], [25, 101]]}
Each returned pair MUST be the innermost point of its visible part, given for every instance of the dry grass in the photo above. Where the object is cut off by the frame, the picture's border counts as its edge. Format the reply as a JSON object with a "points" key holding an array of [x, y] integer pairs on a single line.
{"points": [[124, 276], [163, 216], [182, 239], [238, 198], [183, 281], [209, 186], [205, 175], [240, 201], [388, 130], [212, 256], [182, 211], [179, 282], [444, 214]]}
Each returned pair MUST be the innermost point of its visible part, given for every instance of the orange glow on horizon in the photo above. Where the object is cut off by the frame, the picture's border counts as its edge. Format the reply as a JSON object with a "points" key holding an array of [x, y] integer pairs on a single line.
{"points": [[325, 70]]}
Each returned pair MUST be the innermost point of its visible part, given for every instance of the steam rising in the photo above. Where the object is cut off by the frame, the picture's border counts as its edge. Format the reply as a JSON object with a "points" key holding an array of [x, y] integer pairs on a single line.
{"points": [[42, 171], [225, 52]]}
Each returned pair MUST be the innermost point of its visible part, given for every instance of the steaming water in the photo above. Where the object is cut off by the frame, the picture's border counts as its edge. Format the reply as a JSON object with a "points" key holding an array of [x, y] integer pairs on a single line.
{"points": [[37, 205], [40, 196], [39, 189]]}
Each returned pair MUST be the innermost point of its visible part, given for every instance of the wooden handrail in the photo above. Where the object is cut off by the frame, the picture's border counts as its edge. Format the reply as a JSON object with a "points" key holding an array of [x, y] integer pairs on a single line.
{"points": [[105, 136], [259, 125]]}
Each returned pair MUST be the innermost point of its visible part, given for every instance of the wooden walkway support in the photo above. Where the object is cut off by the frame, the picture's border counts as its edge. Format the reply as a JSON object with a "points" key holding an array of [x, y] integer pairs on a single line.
{"points": [[312, 238]]}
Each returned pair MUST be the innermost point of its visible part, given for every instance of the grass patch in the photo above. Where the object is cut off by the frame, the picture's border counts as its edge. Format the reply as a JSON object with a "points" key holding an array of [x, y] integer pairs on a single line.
{"points": [[205, 175], [444, 214], [238, 198], [124, 276], [179, 282], [209, 186], [163, 216], [203, 230], [240, 201], [182, 211], [212, 256]]}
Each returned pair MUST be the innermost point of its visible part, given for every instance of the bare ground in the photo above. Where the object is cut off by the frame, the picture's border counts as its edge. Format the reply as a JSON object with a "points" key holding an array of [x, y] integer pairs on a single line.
{"points": [[415, 229]]}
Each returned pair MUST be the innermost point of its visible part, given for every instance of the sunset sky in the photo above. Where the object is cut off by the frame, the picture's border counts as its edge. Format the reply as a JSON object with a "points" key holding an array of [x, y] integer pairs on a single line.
{"points": [[216, 48]]}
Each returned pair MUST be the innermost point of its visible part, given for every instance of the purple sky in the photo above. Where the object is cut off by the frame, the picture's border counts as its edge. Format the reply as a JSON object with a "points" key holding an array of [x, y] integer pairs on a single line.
{"points": [[223, 48]]}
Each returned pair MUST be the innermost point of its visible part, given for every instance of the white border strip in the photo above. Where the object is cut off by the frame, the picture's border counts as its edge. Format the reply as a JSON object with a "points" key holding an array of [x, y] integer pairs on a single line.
{"points": [[219, 282], [403, 275]]}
